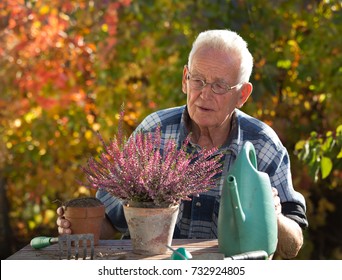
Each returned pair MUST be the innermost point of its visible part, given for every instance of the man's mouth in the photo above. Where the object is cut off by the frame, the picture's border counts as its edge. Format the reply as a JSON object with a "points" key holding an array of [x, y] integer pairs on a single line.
{"points": [[204, 109]]}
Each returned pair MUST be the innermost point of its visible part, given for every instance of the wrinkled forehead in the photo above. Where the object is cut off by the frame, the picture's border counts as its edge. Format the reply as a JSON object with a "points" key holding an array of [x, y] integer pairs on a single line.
{"points": [[218, 56], [222, 63]]}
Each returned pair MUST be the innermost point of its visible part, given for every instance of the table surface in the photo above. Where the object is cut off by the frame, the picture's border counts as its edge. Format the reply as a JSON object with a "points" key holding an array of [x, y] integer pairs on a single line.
{"points": [[122, 250]]}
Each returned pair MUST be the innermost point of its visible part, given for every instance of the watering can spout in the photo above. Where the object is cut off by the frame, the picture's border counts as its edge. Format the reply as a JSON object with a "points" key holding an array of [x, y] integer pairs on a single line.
{"points": [[239, 215]]}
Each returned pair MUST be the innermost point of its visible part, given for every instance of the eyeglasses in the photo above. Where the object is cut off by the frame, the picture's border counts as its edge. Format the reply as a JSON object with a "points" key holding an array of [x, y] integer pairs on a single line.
{"points": [[217, 87]]}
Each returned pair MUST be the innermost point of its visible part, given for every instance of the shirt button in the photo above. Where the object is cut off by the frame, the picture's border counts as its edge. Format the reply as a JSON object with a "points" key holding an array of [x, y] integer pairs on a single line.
{"points": [[198, 204]]}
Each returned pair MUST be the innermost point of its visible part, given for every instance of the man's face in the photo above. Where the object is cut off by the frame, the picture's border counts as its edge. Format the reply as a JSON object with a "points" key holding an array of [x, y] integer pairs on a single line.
{"points": [[207, 109]]}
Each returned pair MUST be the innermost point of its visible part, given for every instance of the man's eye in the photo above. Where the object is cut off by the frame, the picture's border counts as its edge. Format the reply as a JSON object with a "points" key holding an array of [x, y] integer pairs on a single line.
{"points": [[220, 85], [197, 82]]}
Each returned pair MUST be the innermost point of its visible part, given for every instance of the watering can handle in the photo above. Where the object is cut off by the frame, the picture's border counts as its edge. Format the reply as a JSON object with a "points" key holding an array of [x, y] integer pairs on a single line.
{"points": [[251, 154]]}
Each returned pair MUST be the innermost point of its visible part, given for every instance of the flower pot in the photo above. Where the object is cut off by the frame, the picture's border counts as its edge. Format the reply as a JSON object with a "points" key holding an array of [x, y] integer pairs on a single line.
{"points": [[151, 229], [85, 215]]}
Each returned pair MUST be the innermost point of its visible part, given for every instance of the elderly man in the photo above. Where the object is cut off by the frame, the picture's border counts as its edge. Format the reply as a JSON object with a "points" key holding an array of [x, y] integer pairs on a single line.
{"points": [[216, 83]]}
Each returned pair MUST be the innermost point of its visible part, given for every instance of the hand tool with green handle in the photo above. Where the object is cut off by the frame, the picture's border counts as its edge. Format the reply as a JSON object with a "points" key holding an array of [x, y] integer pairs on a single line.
{"points": [[69, 241], [43, 241]]}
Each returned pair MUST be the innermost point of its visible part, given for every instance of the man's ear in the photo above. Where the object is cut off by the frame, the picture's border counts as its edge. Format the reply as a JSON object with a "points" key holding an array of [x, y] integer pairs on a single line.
{"points": [[184, 80], [245, 92]]}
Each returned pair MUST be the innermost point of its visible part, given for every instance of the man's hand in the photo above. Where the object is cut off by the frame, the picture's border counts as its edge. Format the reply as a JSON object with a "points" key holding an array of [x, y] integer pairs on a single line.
{"points": [[290, 236], [276, 200], [62, 223]]}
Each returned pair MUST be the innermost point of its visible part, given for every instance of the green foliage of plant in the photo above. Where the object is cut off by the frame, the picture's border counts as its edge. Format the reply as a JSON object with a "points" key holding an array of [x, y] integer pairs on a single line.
{"points": [[322, 154]]}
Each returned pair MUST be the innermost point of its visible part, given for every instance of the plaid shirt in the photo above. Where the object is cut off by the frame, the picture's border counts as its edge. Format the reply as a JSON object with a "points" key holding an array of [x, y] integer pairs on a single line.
{"points": [[198, 218]]}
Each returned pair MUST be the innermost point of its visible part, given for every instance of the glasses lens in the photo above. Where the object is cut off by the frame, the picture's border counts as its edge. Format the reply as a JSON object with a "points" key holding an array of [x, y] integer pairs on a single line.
{"points": [[219, 88], [196, 84]]}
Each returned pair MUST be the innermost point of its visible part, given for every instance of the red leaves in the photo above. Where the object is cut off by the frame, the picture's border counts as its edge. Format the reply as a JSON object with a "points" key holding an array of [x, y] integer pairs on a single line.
{"points": [[50, 51]]}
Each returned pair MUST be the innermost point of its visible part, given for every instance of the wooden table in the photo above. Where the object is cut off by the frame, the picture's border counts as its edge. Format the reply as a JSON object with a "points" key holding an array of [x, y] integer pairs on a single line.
{"points": [[122, 250]]}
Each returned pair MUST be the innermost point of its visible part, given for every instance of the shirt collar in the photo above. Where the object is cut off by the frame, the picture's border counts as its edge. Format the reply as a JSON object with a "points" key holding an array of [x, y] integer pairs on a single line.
{"points": [[184, 126], [234, 137], [233, 143]]}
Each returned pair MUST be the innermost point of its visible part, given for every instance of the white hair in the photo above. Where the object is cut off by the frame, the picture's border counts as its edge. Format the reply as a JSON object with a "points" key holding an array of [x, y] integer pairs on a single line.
{"points": [[228, 41]]}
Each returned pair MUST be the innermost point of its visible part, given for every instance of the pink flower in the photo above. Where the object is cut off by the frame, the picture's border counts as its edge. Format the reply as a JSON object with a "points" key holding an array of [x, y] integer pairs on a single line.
{"points": [[138, 170]]}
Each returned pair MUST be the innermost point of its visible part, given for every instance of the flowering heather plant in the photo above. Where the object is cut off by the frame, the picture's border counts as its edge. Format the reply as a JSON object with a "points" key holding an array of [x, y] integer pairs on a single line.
{"points": [[138, 170]]}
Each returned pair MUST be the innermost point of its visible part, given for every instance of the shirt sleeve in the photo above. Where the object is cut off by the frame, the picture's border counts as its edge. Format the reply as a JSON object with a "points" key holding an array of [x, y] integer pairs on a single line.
{"points": [[295, 212], [274, 160], [114, 210]]}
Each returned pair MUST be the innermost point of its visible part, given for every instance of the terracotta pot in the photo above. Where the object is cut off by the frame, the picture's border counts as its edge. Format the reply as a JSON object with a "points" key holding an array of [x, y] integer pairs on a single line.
{"points": [[151, 229], [86, 219]]}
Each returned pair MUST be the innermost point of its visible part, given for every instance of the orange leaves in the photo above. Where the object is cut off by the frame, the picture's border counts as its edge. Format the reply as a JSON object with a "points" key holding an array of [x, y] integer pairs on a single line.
{"points": [[53, 57]]}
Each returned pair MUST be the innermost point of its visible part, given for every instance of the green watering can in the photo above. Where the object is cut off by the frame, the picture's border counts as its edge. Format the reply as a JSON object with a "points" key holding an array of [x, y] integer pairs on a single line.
{"points": [[247, 220]]}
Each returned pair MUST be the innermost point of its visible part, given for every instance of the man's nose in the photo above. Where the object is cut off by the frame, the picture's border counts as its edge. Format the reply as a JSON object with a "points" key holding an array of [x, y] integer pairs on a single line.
{"points": [[206, 91]]}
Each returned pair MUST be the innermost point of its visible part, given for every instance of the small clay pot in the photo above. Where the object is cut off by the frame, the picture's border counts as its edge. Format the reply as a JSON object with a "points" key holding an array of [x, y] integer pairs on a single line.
{"points": [[86, 215]]}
